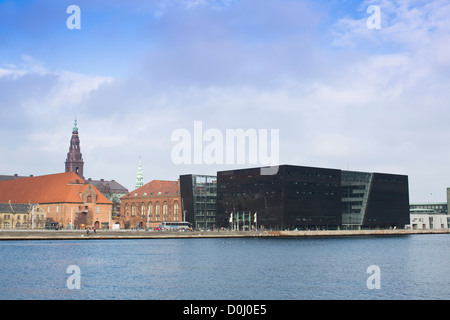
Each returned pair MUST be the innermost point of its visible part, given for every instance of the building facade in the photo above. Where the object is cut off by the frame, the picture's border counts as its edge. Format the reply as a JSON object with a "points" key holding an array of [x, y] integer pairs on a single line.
{"points": [[372, 200], [312, 198], [112, 190], [22, 216], [429, 216], [148, 206], [65, 198], [198, 196]]}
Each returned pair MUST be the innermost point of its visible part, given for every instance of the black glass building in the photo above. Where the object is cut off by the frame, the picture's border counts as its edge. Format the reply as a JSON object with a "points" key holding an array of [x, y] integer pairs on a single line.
{"points": [[311, 198]]}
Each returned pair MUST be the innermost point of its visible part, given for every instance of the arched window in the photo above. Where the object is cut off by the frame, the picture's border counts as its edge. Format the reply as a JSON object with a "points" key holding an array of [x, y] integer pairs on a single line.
{"points": [[133, 209], [127, 208], [150, 211], [165, 211], [175, 211], [142, 209], [158, 210], [89, 199]]}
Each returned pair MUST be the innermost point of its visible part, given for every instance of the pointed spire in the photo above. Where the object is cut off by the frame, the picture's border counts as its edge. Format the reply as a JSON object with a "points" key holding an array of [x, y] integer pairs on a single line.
{"points": [[74, 160], [75, 128], [140, 176]]}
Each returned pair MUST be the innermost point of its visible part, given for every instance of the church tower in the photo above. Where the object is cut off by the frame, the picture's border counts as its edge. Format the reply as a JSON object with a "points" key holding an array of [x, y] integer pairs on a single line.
{"points": [[74, 161]]}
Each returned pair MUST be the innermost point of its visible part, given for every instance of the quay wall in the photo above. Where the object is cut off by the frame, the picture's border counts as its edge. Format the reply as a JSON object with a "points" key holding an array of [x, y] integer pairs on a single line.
{"points": [[132, 234]]}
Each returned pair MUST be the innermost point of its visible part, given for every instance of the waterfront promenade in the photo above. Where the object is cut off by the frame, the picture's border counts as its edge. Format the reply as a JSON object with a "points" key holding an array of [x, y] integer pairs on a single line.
{"points": [[134, 234]]}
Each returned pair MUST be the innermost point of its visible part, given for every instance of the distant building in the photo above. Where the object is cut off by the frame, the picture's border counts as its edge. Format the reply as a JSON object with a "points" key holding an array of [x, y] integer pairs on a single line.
{"points": [[15, 176], [65, 197], [22, 216], [311, 198], [112, 190], [151, 204], [429, 215], [198, 196]]}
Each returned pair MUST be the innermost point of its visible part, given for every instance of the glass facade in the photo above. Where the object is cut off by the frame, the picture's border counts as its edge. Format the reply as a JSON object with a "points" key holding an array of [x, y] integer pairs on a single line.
{"points": [[313, 198], [295, 197], [199, 194]]}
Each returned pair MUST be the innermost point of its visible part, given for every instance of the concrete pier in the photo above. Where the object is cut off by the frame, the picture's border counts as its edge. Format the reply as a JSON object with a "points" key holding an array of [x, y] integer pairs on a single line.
{"points": [[133, 234]]}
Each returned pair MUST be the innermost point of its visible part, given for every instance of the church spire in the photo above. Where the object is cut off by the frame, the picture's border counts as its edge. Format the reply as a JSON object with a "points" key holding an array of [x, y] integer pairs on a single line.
{"points": [[140, 176], [75, 129], [74, 161]]}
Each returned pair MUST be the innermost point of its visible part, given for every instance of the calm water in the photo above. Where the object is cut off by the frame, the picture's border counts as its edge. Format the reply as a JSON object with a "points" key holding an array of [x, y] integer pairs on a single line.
{"points": [[411, 267]]}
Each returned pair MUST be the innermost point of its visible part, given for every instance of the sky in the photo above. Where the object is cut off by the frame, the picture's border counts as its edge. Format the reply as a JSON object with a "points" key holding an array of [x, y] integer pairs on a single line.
{"points": [[340, 93]]}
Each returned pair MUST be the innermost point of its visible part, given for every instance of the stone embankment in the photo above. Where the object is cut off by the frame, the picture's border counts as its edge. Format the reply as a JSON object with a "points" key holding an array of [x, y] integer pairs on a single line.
{"points": [[133, 234]]}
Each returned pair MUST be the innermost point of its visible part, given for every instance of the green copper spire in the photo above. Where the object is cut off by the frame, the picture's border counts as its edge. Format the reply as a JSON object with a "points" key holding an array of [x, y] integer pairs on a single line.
{"points": [[75, 125], [140, 176]]}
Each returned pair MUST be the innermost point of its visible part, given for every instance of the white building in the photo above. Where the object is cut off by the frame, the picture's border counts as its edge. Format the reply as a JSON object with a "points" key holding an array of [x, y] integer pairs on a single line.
{"points": [[429, 216]]}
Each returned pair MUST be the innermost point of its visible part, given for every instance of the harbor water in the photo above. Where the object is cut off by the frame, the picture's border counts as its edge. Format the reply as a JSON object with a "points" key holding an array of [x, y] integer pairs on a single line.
{"points": [[368, 267]]}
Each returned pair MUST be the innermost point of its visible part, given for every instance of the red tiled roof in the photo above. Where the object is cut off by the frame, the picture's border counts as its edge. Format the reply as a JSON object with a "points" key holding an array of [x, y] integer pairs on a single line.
{"points": [[53, 188], [156, 188]]}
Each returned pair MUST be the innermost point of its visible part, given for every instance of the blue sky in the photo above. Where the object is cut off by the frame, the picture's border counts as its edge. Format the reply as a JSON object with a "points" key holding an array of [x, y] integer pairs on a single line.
{"points": [[341, 95]]}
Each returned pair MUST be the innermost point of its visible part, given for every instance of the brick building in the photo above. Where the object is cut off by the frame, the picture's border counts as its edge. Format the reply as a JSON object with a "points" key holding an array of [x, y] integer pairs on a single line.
{"points": [[151, 204], [65, 198]]}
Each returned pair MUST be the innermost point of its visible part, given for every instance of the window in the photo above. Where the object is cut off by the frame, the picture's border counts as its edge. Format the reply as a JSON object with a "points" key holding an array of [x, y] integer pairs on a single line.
{"points": [[127, 207], [175, 211], [150, 211], [97, 209], [89, 199], [133, 209], [165, 211], [142, 209], [158, 210]]}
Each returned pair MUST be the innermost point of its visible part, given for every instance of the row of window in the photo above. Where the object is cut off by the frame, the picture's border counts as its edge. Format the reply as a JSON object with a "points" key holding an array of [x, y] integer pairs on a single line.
{"points": [[22, 217], [153, 211]]}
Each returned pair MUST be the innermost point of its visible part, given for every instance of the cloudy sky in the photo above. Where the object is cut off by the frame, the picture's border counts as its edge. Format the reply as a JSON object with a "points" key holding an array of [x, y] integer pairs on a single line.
{"points": [[341, 95]]}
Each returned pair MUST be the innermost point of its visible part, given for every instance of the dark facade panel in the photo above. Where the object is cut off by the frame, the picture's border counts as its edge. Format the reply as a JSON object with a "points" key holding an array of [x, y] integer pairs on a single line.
{"points": [[388, 203], [294, 197], [247, 190], [187, 197]]}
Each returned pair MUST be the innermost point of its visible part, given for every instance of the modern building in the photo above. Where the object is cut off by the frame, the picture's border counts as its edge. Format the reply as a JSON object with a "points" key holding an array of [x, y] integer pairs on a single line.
{"points": [[374, 200], [311, 198], [429, 216], [22, 216], [65, 197], [198, 197], [148, 206]]}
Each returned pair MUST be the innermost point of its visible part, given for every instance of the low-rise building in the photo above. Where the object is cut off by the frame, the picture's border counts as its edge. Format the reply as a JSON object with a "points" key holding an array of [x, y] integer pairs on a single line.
{"points": [[148, 206], [22, 216], [65, 198], [429, 216]]}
